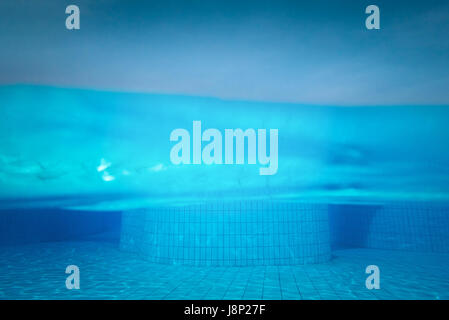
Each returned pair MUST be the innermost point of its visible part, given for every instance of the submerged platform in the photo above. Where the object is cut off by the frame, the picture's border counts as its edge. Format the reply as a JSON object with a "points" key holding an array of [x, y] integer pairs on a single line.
{"points": [[253, 233], [246, 233]]}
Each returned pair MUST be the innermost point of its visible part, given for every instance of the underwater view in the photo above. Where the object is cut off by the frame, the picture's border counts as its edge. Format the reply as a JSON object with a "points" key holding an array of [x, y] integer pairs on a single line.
{"points": [[354, 187], [224, 151]]}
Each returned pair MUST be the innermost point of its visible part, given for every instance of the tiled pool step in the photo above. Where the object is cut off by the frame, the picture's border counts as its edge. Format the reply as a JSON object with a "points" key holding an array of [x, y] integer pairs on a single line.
{"points": [[246, 233]]}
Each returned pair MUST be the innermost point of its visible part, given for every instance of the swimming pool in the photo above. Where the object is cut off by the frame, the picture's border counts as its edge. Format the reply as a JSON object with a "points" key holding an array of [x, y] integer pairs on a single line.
{"points": [[354, 187]]}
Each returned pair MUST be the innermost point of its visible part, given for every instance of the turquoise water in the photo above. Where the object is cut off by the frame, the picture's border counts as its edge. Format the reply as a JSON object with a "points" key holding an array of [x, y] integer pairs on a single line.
{"points": [[111, 150], [86, 179]]}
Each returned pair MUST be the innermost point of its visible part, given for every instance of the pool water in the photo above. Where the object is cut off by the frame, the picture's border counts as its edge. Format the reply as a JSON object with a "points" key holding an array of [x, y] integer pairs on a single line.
{"points": [[171, 258], [86, 179]]}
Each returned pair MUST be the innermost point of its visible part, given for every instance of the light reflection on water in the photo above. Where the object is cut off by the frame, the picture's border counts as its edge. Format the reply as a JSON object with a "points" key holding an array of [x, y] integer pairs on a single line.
{"points": [[98, 149]]}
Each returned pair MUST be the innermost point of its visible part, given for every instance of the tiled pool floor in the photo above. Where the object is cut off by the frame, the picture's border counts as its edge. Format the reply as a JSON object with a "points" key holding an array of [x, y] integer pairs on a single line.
{"points": [[38, 272]]}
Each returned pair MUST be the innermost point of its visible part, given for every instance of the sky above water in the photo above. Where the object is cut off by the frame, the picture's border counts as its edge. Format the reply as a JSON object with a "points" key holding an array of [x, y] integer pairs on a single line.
{"points": [[313, 52]]}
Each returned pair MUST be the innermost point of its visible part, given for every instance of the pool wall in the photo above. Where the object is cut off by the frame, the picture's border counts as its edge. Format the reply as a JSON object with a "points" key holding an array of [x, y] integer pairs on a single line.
{"points": [[229, 234], [22, 226], [406, 226], [241, 233]]}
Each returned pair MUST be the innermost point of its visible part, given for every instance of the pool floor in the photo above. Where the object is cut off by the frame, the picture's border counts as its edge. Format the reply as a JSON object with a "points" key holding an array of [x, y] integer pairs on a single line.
{"points": [[38, 272]]}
